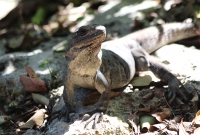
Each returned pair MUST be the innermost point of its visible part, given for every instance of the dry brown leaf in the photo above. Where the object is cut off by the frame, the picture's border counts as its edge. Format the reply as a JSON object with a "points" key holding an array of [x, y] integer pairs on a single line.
{"points": [[137, 24], [178, 118], [194, 101], [31, 72], [37, 119], [94, 97], [158, 92], [145, 109], [195, 98], [160, 116], [182, 129], [160, 126], [196, 120], [33, 83], [20, 117], [150, 133], [169, 132], [186, 124], [196, 131], [40, 99], [148, 96], [134, 121], [171, 125]]}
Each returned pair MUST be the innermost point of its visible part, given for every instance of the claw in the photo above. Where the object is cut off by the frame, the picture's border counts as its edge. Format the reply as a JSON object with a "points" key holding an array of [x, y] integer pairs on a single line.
{"points": [[165, 75], [172, 95], [85, 116], [182, 95], [174, 91], [178, 101], [94, 117], [64, 113], [54, 116]]}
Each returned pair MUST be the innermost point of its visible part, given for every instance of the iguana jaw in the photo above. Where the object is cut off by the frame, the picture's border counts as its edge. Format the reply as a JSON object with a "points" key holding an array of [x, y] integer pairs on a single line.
{"points": [[86, 38]]}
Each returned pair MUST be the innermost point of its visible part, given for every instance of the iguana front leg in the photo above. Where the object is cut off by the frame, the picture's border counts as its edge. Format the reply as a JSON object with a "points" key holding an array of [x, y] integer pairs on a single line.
{"points": [[144, 63], [68, 97], [67, 92], [102, 85], [173, 83]]}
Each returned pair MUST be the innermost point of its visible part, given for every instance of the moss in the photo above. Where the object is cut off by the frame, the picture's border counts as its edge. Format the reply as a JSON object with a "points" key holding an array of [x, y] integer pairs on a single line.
{"points": [[14, 104]]}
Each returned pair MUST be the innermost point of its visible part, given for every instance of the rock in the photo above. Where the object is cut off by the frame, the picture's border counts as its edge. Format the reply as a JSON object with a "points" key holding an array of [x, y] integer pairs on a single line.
{"points": [[32, 132], [15, 63]]}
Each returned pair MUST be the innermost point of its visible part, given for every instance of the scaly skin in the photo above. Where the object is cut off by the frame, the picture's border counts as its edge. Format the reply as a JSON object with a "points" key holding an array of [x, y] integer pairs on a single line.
{"points": [[152, 38], [112, 64]]}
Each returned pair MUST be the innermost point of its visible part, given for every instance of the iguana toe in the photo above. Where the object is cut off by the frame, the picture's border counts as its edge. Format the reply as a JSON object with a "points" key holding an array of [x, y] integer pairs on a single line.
{"points": [[176, 92], [63, 113], [96, 116]]}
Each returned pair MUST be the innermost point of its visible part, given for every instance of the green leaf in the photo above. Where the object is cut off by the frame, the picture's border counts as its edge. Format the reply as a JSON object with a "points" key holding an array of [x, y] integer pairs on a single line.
{"points": [[43, 64], [90, 12], [141, 81], [40, 99], [39, 16], [54, 73], [79, 19]]}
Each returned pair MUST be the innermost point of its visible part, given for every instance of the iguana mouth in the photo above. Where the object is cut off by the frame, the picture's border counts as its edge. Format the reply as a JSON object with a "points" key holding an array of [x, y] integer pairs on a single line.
{"points": [[93, 42], [93, 39]]}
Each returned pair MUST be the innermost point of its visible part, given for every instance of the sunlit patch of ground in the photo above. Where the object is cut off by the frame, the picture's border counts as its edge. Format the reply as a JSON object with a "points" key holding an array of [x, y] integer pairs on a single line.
{"points": [[6, 6]]}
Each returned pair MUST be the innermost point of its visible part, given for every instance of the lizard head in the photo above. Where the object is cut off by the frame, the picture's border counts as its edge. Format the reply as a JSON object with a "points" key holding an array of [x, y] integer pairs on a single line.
{"points": [[87, 37]]}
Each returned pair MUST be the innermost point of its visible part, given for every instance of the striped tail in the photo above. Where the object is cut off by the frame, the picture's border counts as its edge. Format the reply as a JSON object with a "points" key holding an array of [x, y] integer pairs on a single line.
{"points": [[155, 37]]}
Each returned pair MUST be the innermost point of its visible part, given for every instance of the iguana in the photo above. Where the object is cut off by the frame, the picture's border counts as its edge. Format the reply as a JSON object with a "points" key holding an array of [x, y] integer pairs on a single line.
{"points": [[104, 66]]}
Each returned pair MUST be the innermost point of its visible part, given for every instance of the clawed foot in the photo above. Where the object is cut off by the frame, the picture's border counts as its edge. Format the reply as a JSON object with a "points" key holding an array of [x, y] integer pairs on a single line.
{"points": [[88, 117], [175, 92], [96, 117], [64, 112], [174, 89]]}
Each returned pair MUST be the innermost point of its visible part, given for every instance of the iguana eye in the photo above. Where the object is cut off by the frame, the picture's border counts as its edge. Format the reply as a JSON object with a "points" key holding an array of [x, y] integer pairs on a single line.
{"points": [[82, 31]]}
